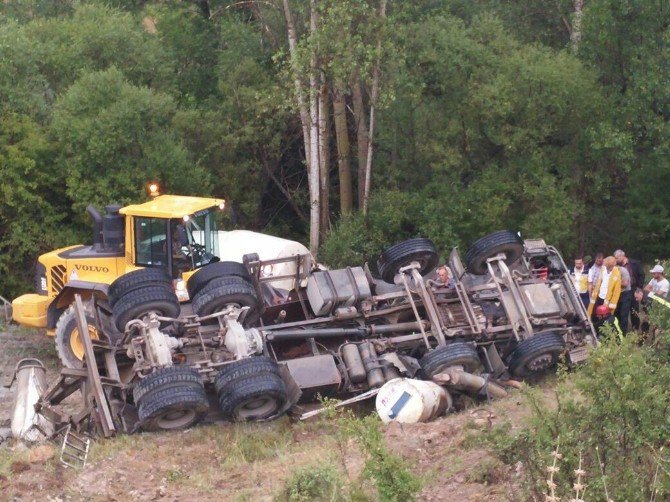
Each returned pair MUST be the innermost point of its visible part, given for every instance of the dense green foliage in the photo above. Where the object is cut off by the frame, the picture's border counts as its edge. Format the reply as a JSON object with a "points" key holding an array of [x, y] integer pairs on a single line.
{"points": [[487, 119], [612, 413]]}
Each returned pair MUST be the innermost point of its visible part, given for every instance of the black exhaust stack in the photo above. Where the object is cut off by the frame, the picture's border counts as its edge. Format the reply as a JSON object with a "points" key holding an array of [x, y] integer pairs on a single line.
{"points": [[97, 227], [112, 228]]}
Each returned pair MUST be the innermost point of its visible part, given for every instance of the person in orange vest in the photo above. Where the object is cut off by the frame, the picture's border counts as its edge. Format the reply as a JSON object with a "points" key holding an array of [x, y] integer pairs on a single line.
{"points": [[607, 289]]}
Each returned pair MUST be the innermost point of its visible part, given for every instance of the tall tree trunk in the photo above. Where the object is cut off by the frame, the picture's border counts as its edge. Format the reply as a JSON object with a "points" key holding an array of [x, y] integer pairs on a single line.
{"points": [[314, 189], [343, 149], [324, 157], [361, 135], [373, 101], [576, 32], [302, 105]]}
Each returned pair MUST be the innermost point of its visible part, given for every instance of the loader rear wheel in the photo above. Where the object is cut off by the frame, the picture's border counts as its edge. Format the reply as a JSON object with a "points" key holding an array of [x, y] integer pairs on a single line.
{"points": [[139, 303], [455, 354], [504, 241], [400, 255], [536, 354], [69, 345], [171, 398], [135, 280], [258, 392], [204, 275], [227, 291]]}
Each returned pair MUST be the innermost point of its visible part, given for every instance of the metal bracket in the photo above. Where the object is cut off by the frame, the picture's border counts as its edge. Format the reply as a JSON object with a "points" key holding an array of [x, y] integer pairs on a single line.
{"points": [[74, 450]]}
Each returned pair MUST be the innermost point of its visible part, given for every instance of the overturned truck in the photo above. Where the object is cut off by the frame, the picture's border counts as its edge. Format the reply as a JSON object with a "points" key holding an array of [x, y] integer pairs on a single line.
{"points": [[259, 336]]}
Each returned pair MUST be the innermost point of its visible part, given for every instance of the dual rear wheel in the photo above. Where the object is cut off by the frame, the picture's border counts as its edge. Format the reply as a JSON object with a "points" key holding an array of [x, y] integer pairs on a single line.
{"points": [[174, 397]]}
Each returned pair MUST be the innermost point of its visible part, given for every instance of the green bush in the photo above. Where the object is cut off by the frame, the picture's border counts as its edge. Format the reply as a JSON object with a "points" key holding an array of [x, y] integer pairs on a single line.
{"points": [[612, 415], [321, 483]]}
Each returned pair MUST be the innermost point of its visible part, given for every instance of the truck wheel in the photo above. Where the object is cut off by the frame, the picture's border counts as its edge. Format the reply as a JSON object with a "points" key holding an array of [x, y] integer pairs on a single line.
{"points": [[166, 378], [171, 398], [139, 303], [69, 346], [536, 354], [135, 280], [225, 291], [204, 275], [400, 255], [257, 397], [504, 241], [244, 368], [455, 354]]}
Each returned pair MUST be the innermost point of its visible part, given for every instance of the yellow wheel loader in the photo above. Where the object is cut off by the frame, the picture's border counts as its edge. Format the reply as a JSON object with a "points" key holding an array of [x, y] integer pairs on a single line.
{"points": [[140, 258]]}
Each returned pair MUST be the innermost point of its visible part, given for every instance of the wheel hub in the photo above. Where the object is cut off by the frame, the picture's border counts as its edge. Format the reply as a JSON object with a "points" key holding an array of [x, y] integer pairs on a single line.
{"points": [[76, 344], [541, 362], [257, 408], [176, 419]]}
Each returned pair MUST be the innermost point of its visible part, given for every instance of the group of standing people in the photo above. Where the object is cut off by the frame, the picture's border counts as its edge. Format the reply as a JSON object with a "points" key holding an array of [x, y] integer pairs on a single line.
{"points": [[613, 288]]}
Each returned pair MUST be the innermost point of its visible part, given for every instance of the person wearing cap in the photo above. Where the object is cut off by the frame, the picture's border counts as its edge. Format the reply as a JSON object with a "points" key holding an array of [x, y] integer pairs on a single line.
{"points": [[658, 285], [607, 289]]}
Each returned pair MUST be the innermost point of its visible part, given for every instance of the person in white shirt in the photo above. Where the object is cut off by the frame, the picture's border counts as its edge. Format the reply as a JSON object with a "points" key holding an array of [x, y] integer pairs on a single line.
{"points": [[580, 279], [594, 271], [658, 285]]}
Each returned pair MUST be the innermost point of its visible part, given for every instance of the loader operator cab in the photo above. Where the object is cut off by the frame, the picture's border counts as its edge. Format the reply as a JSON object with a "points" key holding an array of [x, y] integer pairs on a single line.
{"points": [[177, 244]]}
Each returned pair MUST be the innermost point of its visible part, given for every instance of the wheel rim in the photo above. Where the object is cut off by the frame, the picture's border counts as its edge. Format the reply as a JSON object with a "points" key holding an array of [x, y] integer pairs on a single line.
{"points": [[541, 362], [257, 408], [176, 419], [76, 344]]}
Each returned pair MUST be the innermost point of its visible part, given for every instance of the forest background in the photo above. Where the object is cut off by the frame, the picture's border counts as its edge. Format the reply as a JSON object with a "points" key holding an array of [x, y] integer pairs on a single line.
{"points": [[550, 117]]}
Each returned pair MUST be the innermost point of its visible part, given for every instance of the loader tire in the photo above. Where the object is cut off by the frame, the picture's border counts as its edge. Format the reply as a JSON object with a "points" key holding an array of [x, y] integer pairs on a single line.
{"points": [[400, 255], [224, 291], [204, 275], [536, 354], [503, 241], [69, 346], [455, 354], [135, 280], [139, 303], [258, 397], [244, 368], [171, 400]]}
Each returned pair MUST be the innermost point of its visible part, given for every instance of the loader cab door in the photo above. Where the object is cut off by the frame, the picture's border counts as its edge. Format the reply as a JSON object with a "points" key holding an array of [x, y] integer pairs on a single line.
{"points": [[151, 242], [198, 238]]}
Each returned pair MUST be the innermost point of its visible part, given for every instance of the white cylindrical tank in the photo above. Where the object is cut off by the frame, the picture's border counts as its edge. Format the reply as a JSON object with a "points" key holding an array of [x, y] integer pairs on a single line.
{"points": [[30, 377], [409, 401]]}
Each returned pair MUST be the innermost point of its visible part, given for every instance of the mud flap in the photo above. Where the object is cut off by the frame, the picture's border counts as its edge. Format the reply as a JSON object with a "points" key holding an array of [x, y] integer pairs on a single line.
{"points": [[292, 390]]}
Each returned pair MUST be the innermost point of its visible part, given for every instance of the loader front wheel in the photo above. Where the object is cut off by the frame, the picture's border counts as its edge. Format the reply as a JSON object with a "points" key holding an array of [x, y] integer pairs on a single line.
{"points": [[69, 345]]}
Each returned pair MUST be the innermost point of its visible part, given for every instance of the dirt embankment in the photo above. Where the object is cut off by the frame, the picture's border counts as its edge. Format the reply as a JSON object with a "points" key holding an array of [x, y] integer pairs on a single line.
{"points": [[245, 462]]}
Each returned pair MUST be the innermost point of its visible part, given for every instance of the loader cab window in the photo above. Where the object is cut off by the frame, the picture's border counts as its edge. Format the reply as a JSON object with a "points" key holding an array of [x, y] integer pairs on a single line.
{"points": [[151, 242]]}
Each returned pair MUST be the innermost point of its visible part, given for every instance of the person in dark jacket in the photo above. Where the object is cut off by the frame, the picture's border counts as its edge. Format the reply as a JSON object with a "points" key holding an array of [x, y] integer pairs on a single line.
{"points": [[628, 305]]}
